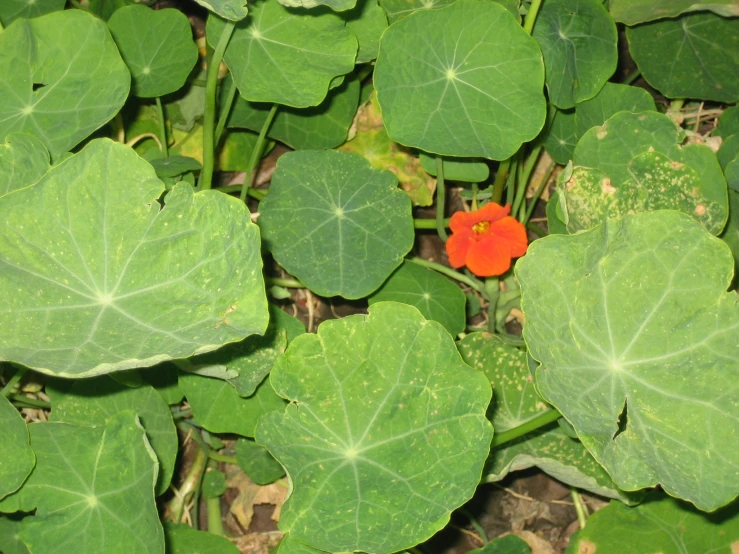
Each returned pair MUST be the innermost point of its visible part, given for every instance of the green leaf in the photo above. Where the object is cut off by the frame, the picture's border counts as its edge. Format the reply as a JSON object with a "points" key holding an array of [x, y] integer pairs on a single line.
{"points": [[187, 106], [578, 39], [292, 325], [386, 431], [98, 277], [335, 223], [636, 337], [728, 123], [156, 45], [560, 135], [367, 20], [106, 8], [457, 169], [324, 126], [10, 542], [509, 544], [516, 402], [61, 78], [233, 10], [477, 80], [92, 489], [218, 407], [661, 524], [555, 225], [612, 98], [634, 163], [284, 56], [214, 484], [435, 296], [632, 12], [336, 5], [16, 457], [398, 9], [695, 56], [183, 539], [256, 461], [10, 10], [174, 166], [288, 545], [731, 234], [163, 378], [92, 402], [23, 161]]}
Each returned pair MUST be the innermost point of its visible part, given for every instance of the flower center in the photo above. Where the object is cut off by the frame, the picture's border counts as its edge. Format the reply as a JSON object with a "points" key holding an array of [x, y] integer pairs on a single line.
{"points": [[480, 228]]}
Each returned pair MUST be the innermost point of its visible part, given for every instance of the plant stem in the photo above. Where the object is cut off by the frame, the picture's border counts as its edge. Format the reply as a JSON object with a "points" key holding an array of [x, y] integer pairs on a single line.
{"points": [[288, 283], [29, 402], [440, 199], [528, 25], [211, 86], [257, 194], [476, 524], [536, 229], [188, 487], [213, 509], [538, 192], [539, 421], [511, 180], [500, 179], [222, 458], [162, 128], [77, 5], [474, 283], [492, 288], [428, 223], [633, 77], [225, 110], [580, 507], [256, 154], [13, 381], [182, 414]]}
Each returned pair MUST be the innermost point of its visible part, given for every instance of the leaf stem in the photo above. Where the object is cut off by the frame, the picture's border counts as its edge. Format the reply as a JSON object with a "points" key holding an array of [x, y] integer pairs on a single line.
{"points": [[536, 229], [162, 128], [474, 283], [537, 422], [256, 154], [492, 288], [580, 507], [222, 458], [476, 525], [528, 24], [287, 283], [440, 199], [428, 223], [500, 179], [632, 77], [29, 402], [211, 86], [257, 194], [13, 381], [511, 180], [225, 110], [189, 485], [213, 509], [537, 194]]}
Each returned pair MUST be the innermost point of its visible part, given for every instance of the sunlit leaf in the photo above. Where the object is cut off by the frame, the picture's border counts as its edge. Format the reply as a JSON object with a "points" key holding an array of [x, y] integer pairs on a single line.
{"points": [[16, 457], [632, 12], [10, 10], [367, 20], [612, 98], [233, 10], [23, 161], [183, 539]]}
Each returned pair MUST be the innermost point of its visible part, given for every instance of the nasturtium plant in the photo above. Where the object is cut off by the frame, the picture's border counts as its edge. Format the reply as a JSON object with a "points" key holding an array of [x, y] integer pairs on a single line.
{"points": [[346, 435], [10, 10], [232, 10], [633, 344], [457, 169], [639, 11], [183, 539], [23, 161], [17, 458], [367, 20], [611, 99]]}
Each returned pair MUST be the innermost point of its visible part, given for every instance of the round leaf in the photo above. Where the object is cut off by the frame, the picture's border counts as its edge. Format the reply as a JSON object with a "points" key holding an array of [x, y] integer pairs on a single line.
{"points": [[256, 461], [16, 457], [465, 80], [398, 9], [91, 402], [183, 539], [457, 169], [367, 20], [386, 431], [612, 98], [632, 12], [214, 484], [335, 223], [61, 77], [98, 277], [694, 56], [560, 135], [578, 39], [728, 123], [10, 10], [435, 296], [286, 56], [23, 161], [10, 542], [156, 45], [233, 10], [636, 337], [508, 544]]}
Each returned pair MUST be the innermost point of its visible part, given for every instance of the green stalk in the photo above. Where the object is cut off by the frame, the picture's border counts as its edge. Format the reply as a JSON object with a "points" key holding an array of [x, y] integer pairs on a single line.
{"points": [[528, 25], [209, 120], [474, 283], [633, 77], [500, 179], [492, 287], [257, 194], [476, 524], [257, 152], [511, 180], [440, 199], [287, 283], [580, 507], [162, 127], [428, 223], [188, 487], [538, 422], [25, 402], [213, 509], [222, 458], [539, 231], [538, 192], [225, 111], [8, 388]]}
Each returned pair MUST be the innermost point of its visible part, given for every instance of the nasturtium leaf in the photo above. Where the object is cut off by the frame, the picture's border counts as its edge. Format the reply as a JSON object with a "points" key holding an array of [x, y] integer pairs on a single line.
{"points": [[457, 169], [578, 39], [612, 98], [694, 56], [515, 402], [91, 402], [23, 161], [560, 135], [163, 378], [465, 80], [370, 141], [10, 10], [256, 461], [435, 296], [61, 78], [554, 224], [188, 105], [334, 222], [174, 166], [728, 123], [385, 435], [509, 544], [336, 5], [16, 457], [98, 277], [10, 542], [219, 409], [289, 545], [636, 337], [106, 8], [233, 10], [214, 484], [731, 234], [367, 20], [157, 47], [92, 489], [634, 162], [660, 524], [183, 539], [323, 126], [632, 12], [286, 56], [398, 9]]}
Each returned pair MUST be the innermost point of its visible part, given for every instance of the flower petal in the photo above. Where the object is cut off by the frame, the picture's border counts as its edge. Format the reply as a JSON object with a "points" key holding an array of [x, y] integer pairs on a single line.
{"points": [[489, 212], [457, 246], [488, 257], [513, 232]]}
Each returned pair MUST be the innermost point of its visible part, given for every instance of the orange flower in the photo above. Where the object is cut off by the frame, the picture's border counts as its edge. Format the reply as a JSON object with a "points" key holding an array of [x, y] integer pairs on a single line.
{"points": [[486, 240]]}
